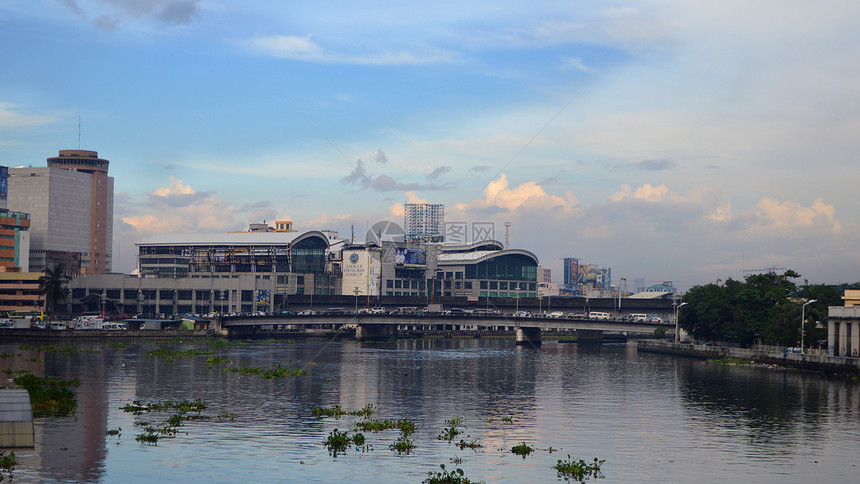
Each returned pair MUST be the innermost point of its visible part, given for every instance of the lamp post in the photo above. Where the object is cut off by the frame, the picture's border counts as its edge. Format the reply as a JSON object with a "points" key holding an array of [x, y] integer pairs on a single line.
{"points": [[677, 308], [803, 321]]}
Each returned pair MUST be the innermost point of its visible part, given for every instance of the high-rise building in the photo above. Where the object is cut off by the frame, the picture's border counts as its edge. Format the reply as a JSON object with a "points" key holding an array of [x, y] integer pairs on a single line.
{"points": [[70, 203], [424, 222]]}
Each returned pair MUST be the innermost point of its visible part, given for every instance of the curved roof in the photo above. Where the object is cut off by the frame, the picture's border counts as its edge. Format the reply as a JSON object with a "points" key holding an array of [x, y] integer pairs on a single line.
{"points": [[232, 238], [487, 245], [453, 258]]}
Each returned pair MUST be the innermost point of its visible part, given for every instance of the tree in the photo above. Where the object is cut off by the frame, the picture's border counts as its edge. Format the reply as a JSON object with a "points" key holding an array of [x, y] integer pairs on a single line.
{"points": [[52, 286], [760, 306]]}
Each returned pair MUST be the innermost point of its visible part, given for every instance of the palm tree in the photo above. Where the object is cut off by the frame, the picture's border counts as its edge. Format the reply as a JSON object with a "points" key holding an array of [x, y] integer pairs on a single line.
{"points": [[51, 286]]}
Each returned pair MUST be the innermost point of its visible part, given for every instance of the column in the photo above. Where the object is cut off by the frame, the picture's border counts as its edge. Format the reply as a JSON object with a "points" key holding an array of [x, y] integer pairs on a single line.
{"points": [[832, 337], [842, 347], [854, 346]]}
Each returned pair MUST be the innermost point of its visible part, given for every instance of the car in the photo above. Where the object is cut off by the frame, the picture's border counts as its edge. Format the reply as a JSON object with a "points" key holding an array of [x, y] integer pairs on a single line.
{"points": [[599, 315], [378, 310], [555, 315], [655, 319], [637, 318], [577, 315], [523, 314], [307, 312]]}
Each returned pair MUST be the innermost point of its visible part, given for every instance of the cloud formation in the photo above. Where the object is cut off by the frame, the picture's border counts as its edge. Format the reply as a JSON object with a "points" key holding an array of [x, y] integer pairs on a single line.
{"points": [[360, 177], [297, 48], [109, 14]]}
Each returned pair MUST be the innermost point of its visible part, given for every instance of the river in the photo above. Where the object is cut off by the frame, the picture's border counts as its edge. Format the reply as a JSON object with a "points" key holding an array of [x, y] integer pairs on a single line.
{"points": [[651, 418]]}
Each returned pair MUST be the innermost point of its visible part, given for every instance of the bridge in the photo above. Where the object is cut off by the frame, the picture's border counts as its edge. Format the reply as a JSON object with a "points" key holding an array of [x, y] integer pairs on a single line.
{"points": [[378, 326]]}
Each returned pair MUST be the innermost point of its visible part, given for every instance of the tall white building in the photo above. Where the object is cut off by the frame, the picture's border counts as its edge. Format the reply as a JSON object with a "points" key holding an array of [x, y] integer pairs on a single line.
{"points": [[424, 222], [70, 203]]}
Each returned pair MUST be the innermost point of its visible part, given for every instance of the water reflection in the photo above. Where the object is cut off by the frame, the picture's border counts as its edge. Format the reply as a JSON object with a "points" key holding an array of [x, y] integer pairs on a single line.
{"points": [[652, 417]]}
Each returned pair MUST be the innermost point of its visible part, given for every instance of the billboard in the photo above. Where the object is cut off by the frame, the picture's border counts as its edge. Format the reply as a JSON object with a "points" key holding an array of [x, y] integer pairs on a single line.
{"points": [[410, 257], [4, 182], [361, 270]]}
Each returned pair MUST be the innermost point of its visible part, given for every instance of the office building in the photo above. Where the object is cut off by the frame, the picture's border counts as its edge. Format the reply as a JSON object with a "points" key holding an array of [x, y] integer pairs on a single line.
{"points": [[70, 203]]}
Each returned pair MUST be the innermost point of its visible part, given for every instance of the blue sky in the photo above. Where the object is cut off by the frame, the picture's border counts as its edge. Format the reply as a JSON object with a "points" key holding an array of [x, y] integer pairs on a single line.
{"points": [[670, 140]]}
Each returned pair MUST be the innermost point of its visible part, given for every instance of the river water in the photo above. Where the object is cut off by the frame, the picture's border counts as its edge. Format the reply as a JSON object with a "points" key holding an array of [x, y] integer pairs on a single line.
{"points": [[652, 418]]}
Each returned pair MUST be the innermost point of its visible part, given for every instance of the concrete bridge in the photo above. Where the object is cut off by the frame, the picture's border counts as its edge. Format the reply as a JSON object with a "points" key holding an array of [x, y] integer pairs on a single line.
{"points": [[370, 326]]}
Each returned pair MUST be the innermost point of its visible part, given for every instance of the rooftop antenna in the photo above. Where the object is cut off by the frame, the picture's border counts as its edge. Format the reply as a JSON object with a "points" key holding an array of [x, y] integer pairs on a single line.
{"points": [[79, 131]]}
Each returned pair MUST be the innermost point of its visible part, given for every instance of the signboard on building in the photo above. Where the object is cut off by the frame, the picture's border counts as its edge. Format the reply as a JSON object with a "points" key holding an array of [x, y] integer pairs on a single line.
{"points": [[4, 183], [361, 269], [410, 257]]}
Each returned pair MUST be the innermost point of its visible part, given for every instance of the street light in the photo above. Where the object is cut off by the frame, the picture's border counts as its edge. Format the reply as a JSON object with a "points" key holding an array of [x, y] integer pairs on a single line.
{"points": [[803, 321], [677, 334]]}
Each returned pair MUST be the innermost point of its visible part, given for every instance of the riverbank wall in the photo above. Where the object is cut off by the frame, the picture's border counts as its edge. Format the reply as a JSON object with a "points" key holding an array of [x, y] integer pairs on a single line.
{"points": [[26, 335], [811, 362]]}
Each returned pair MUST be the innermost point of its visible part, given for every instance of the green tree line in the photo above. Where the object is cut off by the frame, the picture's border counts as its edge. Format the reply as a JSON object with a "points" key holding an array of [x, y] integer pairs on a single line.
{"points": [[762, 307]]}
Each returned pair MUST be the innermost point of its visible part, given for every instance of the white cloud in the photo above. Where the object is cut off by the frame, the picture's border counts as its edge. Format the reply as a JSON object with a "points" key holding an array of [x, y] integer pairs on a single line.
{"points": [[13, 117], [787, 215], [304, 49]]}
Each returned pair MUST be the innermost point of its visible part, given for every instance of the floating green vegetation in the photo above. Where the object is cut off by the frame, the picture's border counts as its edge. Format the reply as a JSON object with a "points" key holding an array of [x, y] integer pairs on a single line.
{"points": [[336, 411], [147, 438], [337, 442], [451, 431], [403, 445], [579, 470], [7, 464], [62, 349], [182, 406], [49, 396], [522, 449], [226, 416], [462, 444], [508, 419], [218, 343], [6, 355], [457, 476], [170, 355], [170, 427], [214, 360], [277, 372], [404, 425], [114, 432]]}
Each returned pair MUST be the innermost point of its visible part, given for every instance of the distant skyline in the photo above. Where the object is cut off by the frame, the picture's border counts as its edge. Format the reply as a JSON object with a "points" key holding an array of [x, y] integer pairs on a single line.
{"points": [[668, 140]]}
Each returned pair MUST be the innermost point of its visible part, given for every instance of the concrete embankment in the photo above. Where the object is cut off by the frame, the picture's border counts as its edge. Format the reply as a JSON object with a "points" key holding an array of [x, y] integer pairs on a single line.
{"points": [[97, 335], [811, 362]]}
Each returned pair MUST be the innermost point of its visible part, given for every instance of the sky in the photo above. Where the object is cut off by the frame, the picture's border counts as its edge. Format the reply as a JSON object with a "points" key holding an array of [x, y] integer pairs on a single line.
{"points": [[669, 140]]}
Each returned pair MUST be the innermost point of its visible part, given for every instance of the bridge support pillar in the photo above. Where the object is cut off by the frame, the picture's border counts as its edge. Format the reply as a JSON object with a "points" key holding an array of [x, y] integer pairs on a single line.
{"points": [[528, 336], [373, 331], [589, 335]]}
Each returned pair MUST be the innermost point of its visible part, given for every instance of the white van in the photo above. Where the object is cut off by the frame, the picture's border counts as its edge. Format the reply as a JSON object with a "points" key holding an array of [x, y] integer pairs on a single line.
{"points": [[637, 318], [598, 315]]}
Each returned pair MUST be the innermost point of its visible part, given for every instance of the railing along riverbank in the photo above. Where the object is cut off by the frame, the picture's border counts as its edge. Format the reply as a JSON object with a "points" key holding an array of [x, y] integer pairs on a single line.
{"points": [[812, 362]]}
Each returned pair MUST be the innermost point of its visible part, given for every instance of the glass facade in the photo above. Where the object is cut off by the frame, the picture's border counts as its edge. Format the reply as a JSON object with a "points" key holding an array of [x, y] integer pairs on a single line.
{"points": [[515, 267]]}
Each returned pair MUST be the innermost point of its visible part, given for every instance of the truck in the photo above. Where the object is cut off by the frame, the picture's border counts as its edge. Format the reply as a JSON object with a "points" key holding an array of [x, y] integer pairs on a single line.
{"points": [[88, 321]]}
